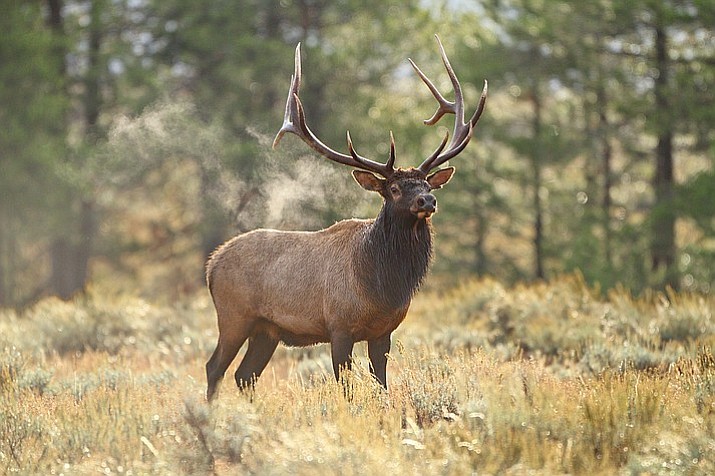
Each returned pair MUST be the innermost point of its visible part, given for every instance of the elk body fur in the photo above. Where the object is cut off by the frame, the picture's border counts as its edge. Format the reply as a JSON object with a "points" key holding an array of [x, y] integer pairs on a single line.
{"points": [[304, 287], [350, 282]]}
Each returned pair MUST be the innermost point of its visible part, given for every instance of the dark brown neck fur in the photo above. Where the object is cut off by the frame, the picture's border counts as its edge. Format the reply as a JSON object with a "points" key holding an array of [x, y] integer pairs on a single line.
{"points": [[394, 257]]}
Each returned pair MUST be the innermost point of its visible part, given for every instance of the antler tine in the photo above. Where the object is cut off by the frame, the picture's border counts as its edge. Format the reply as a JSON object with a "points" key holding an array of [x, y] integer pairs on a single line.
{"points": [[292, 104], [438, 150], [391, 161], [480, 107], [462, 130], [444, 106], [294, 122]]}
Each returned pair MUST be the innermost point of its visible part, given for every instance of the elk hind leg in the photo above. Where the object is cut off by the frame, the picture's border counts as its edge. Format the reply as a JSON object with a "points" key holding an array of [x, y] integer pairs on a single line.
{"points": [[341, 348], [260, 350], [229, 342]]}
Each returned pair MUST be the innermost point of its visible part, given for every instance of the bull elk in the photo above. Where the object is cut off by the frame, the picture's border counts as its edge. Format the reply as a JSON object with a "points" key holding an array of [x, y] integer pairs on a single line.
{"points": [[350, 282]]}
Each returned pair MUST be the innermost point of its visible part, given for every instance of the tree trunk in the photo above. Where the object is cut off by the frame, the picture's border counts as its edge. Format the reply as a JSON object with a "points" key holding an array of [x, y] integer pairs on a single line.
{"points": [[54, 20], [70, 254], [606, 164], [61, 280], [84, 247], [61, 260], [663, 214], [482, 262], [535, 157], [70, 257], [92, 97]]}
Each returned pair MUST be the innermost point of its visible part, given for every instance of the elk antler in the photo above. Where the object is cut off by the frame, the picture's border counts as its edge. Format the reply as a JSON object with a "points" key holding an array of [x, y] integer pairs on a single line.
{"points": [[294, 121], [462, 130]]}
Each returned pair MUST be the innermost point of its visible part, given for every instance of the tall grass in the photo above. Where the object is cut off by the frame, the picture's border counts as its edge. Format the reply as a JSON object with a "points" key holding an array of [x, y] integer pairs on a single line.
{"points": [[545, 378]]}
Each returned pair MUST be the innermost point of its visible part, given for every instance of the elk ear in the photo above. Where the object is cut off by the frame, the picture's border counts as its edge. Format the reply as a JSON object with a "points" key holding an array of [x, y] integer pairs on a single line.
{"points": [[368, 181], [440, 177]]}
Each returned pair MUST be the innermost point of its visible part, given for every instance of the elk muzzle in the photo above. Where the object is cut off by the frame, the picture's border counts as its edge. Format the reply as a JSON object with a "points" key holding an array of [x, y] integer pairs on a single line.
{"points": [[424, 205]]}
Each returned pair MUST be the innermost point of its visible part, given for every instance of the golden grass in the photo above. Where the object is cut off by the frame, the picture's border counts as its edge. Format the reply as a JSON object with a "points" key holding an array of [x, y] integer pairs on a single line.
{"points": [[540, 379]]}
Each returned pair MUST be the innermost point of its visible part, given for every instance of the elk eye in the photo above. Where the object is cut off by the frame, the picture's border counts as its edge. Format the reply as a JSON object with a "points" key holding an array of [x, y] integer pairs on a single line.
{"points": [[395, 190]]}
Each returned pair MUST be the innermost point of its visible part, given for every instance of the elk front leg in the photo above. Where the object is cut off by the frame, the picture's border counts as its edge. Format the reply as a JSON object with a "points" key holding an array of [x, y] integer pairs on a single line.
{"points": [[377, 350], [341, 347], [260, 350]]}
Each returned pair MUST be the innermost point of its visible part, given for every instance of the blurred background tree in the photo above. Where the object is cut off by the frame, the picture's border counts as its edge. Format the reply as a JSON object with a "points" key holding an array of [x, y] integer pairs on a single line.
{"points": [[32, 138], [137, 135]]}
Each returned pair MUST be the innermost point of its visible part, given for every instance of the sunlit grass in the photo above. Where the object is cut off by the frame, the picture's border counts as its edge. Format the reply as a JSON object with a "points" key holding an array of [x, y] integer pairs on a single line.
{"points": [[552, 378]]}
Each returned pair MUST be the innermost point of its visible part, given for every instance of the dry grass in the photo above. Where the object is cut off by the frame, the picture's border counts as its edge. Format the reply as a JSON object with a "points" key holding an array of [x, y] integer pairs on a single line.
{"points": [[541, 379]]}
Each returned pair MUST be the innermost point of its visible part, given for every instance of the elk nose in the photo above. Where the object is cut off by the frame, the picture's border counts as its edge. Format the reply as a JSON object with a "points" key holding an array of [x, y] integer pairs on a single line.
{"points": [[427, 203]]}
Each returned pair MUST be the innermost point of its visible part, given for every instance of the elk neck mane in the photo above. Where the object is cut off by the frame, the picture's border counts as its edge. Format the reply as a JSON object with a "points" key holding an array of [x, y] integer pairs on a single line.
{"points": [[394, 256]]}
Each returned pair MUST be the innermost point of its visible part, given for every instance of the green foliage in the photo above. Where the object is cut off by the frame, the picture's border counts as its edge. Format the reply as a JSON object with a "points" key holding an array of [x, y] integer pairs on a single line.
{"points": [[31, 141], [136, 99], [695, 200]]}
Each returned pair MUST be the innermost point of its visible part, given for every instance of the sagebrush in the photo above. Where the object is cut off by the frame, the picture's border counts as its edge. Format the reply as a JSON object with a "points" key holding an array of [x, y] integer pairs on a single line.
{"points": [[545, 378]]}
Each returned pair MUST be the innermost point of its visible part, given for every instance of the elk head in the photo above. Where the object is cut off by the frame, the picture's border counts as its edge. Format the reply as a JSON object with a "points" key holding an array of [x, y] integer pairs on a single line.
{"points": [[408, 190]]}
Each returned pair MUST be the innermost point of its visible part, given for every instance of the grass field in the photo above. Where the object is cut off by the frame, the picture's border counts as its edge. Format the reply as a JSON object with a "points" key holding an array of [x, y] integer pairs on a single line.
{"points": [[536, 379]]}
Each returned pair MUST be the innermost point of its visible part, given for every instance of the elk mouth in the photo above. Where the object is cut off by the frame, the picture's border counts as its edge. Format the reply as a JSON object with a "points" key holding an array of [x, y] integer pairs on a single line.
{"points": [[423, 214]]}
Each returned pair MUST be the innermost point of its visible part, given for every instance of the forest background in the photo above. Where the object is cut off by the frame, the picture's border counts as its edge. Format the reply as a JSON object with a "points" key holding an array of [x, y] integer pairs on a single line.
{"points": [[136, 135]]}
